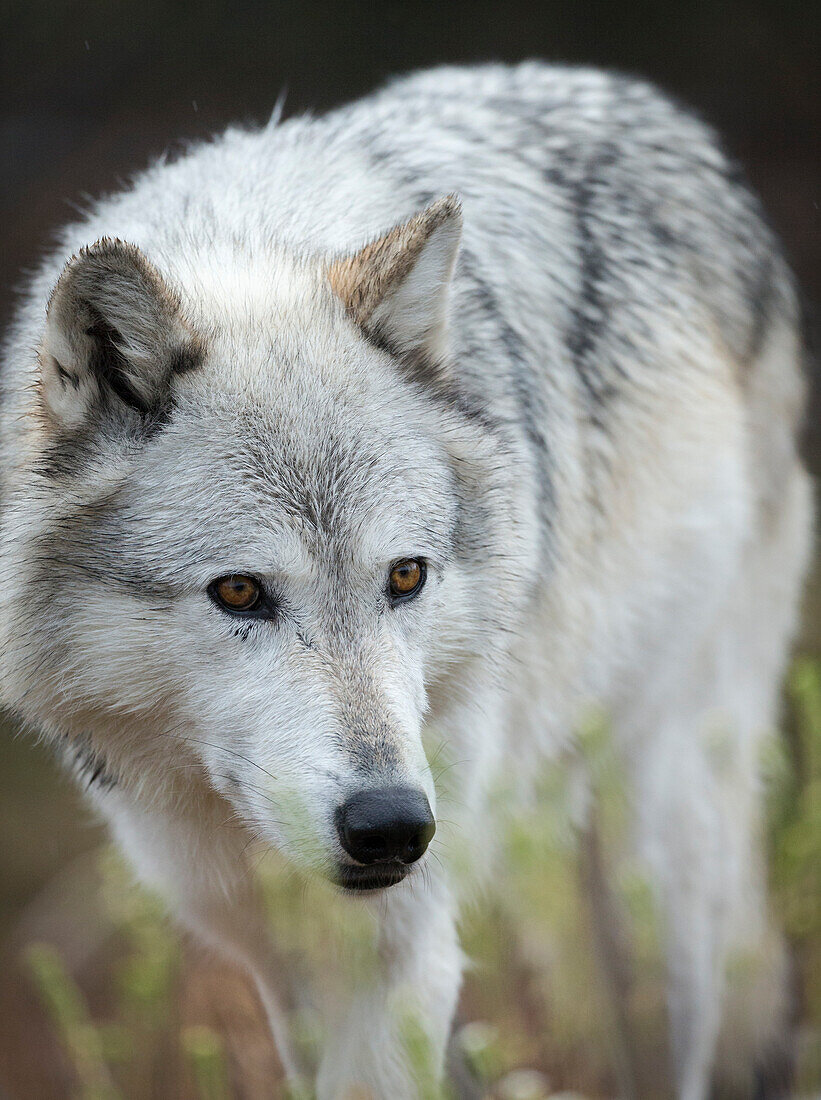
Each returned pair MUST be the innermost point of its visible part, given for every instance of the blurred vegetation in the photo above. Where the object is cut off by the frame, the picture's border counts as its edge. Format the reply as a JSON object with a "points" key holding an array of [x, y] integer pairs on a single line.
{"points": [[538, 1019]]}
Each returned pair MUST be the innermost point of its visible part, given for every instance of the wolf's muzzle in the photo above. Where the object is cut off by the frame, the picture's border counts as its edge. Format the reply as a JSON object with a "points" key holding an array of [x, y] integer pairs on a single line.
{"points": [[391, 825]]}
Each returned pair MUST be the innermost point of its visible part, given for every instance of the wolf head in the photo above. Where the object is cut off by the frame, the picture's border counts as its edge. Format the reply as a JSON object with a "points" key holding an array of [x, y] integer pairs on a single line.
{"points": [[257, 522]]}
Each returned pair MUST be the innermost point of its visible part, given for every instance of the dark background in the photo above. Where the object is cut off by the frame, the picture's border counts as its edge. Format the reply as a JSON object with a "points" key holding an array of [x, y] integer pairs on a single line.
{"points": [[91, 91]]}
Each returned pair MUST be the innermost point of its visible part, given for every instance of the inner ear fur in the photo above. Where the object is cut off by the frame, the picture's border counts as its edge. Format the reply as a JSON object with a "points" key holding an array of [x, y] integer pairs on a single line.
{"points": [[114, 331], [396, 287]]}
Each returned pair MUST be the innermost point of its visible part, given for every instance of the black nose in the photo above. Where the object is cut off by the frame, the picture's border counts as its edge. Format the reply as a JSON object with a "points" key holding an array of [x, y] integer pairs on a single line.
{"points": [[386, 825]]}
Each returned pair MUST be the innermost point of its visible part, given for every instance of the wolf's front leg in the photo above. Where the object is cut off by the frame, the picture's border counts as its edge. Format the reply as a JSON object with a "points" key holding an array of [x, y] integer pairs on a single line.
{"points": [[198, 866], [390, 1039]]}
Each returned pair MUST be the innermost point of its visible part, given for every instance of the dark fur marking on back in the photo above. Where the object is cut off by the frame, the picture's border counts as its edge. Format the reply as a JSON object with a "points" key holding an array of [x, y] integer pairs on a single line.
{"points": [[515, 353], [760, 290], [589, 315]]}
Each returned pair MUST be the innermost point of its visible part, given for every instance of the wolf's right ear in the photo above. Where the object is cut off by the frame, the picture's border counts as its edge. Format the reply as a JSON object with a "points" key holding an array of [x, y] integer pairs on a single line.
{"points": [[114, 333], [396, 287]]}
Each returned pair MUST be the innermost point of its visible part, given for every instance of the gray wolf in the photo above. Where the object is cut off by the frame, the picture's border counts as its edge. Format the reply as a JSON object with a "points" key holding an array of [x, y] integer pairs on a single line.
{"points": [[451, 413]]}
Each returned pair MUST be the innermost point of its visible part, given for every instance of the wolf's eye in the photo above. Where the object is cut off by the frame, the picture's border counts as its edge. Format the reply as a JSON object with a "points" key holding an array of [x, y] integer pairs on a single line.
{"points": [[406, 578], [236, 592]]}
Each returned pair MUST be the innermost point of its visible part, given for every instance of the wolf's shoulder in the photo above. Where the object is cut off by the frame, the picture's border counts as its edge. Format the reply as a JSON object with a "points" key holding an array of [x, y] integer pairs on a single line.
{"points": [[574, 102], [584, 87], [630, 192]]}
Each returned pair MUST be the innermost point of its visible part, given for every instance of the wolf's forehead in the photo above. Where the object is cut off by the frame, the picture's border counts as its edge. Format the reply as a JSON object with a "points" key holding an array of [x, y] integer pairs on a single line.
{"points": [[349, 475], [257, 478]]}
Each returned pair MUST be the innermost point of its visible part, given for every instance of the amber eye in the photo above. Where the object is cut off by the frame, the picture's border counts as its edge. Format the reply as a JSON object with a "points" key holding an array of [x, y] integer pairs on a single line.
{"points": [[236, 592], [406, 578]]}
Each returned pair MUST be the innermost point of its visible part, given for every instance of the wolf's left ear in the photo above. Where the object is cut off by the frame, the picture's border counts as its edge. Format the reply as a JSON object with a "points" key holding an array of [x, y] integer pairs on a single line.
{"points": [[396, 287], [114, 337]]}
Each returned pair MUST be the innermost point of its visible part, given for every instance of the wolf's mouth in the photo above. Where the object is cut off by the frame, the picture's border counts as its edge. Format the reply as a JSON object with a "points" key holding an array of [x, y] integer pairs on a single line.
{"points": [[379, 877]]}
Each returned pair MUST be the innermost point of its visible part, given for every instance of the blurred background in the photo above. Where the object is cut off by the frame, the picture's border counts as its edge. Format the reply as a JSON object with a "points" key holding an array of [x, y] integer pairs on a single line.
{"points": [[89, 92]]}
